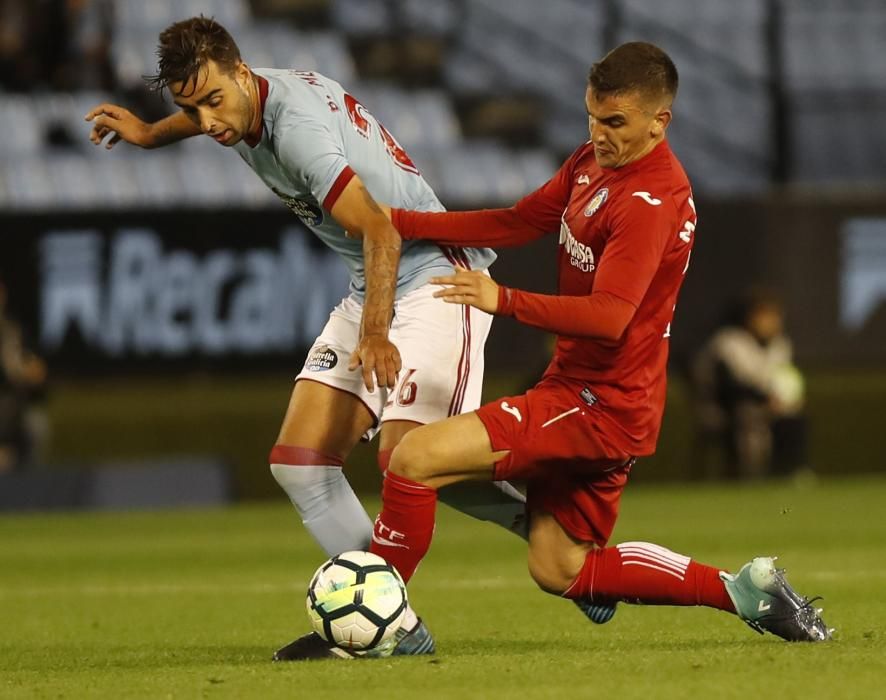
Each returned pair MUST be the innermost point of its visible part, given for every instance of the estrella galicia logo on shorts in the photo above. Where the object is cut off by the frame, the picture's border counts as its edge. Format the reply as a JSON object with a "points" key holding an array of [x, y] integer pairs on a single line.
{"points": [[309, 213], [597, 201], [321, 359]]}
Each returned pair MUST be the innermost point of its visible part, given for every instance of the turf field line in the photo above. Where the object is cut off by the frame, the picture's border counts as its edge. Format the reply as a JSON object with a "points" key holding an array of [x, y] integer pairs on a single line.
{"points": [[276, 588], [145, 589], [844, 575], [199, 588]]}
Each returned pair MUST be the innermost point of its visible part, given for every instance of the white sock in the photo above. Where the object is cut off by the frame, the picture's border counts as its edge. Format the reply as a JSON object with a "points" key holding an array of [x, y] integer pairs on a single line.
{"points": [[328, 506], [410, 619], [493, 501]]}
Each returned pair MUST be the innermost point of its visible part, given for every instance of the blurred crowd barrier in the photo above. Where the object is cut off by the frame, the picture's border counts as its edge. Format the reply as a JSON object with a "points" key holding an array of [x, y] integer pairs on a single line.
{"points": [[164, 482], [191, 289], [180, 332]]}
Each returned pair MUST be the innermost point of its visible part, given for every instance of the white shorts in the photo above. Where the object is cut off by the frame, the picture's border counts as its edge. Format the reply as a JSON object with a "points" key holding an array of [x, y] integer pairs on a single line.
{"points": [[440, 344]]}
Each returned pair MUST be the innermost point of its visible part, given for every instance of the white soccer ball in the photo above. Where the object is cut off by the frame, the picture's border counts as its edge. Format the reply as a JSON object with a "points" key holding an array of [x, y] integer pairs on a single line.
{"points": [[356, 600]]}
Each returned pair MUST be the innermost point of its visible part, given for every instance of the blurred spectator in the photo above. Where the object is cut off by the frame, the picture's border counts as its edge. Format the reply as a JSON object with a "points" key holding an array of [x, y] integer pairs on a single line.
{"points": [[87, 28], [55, 44], [749, 394], [19, 64], [24, 429]]}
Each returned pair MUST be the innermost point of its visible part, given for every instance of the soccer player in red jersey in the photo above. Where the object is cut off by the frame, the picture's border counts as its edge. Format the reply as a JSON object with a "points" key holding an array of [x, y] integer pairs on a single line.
{"points": [[623, 207]]}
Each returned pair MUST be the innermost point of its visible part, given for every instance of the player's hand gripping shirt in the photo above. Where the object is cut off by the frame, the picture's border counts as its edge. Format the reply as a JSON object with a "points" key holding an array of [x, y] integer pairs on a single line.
{"points": [[314, 138], [625, 237]]}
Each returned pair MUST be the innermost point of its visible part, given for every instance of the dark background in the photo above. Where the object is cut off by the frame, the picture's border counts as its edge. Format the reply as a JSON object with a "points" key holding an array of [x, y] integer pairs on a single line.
{"points": [[778, 122]]}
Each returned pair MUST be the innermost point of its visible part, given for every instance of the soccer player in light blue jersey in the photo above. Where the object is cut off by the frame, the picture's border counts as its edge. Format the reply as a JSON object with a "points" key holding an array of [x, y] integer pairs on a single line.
{"points": [[391, 357]]}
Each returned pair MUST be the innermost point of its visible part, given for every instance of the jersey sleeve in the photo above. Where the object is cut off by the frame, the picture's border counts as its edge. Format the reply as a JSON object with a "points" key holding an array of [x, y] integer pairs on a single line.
{"points": [[532, 217], [312, 154], [640, 234], [486, 228], [598, 315]]}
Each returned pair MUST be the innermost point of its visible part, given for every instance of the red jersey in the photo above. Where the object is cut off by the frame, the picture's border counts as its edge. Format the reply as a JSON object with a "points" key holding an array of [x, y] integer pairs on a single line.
{"points": [[625, 237]]}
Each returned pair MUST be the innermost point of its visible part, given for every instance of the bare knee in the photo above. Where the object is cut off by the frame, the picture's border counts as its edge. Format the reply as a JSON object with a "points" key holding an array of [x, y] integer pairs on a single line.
{"points": [[442, 453], [411, 458], [551, 572], [555, 558]]}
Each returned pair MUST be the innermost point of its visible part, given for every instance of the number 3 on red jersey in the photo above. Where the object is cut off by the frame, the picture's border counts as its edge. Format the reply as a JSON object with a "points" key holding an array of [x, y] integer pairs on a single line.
{"points": [[685, 236], [687, 231]]}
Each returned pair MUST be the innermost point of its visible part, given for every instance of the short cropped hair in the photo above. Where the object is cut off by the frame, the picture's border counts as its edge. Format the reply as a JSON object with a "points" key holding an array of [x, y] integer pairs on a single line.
{"points": [[635, 67], [185, 48]]}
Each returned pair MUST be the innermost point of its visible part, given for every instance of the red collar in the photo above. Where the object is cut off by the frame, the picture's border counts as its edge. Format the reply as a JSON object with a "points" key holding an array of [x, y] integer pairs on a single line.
{"points": [[253, 139]]}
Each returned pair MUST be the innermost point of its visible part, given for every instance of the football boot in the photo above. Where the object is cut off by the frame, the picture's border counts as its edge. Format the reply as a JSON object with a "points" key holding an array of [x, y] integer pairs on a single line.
{"points": [[766, 602], [404, 642]]}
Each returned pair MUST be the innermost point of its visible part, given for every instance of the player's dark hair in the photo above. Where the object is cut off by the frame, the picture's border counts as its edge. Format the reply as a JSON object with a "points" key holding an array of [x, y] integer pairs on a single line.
{"points": [[635, 66], [184, 49]]}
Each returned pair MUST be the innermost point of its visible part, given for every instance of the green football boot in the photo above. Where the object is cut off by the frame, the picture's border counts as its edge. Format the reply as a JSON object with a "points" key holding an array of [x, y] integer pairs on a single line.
{"points": [[765, 601]]}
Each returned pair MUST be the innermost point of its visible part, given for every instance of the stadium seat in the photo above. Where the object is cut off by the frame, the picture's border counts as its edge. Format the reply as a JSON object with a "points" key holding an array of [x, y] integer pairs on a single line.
{"points": [[835, 85], [362, 16], [158, 178], [155, 15], [23, 133], [133, 55], [536, 166], [233, 15], [275, 45], [325, 53], [74, 183], [430, 16], [145, 16], [28, 184], [417, 118], [483, 173], [724, 117]]}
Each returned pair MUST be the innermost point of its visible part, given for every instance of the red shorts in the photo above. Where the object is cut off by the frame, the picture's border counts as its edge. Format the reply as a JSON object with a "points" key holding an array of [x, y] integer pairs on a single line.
{"points": [[557, 437]]}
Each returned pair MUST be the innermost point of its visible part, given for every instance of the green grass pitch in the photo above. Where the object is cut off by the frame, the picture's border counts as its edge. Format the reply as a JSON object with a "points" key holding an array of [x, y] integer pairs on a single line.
{"points": [[192, 604]]}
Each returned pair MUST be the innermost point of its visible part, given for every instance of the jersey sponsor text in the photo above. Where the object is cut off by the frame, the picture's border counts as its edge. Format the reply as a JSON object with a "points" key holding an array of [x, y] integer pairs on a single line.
{"points": [[580, 254]]}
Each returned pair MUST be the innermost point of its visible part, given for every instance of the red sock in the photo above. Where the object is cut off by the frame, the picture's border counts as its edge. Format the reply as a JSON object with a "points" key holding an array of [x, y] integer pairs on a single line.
{"points": [[403, 529], [639, 572]]}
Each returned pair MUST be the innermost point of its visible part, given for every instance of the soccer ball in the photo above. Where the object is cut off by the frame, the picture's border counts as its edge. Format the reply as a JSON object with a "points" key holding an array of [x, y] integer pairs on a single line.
{"points": [[356, 600]]}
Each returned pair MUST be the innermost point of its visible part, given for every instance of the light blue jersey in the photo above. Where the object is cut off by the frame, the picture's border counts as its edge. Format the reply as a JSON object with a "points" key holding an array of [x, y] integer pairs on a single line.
{"points": [[315, 136]]}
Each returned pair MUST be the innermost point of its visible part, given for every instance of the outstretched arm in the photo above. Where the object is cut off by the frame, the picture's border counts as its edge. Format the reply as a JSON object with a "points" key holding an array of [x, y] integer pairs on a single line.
{"points": [[123, 125], [631, 259], [494, 228], [537, 214], [358, 213], [598, 315]]}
